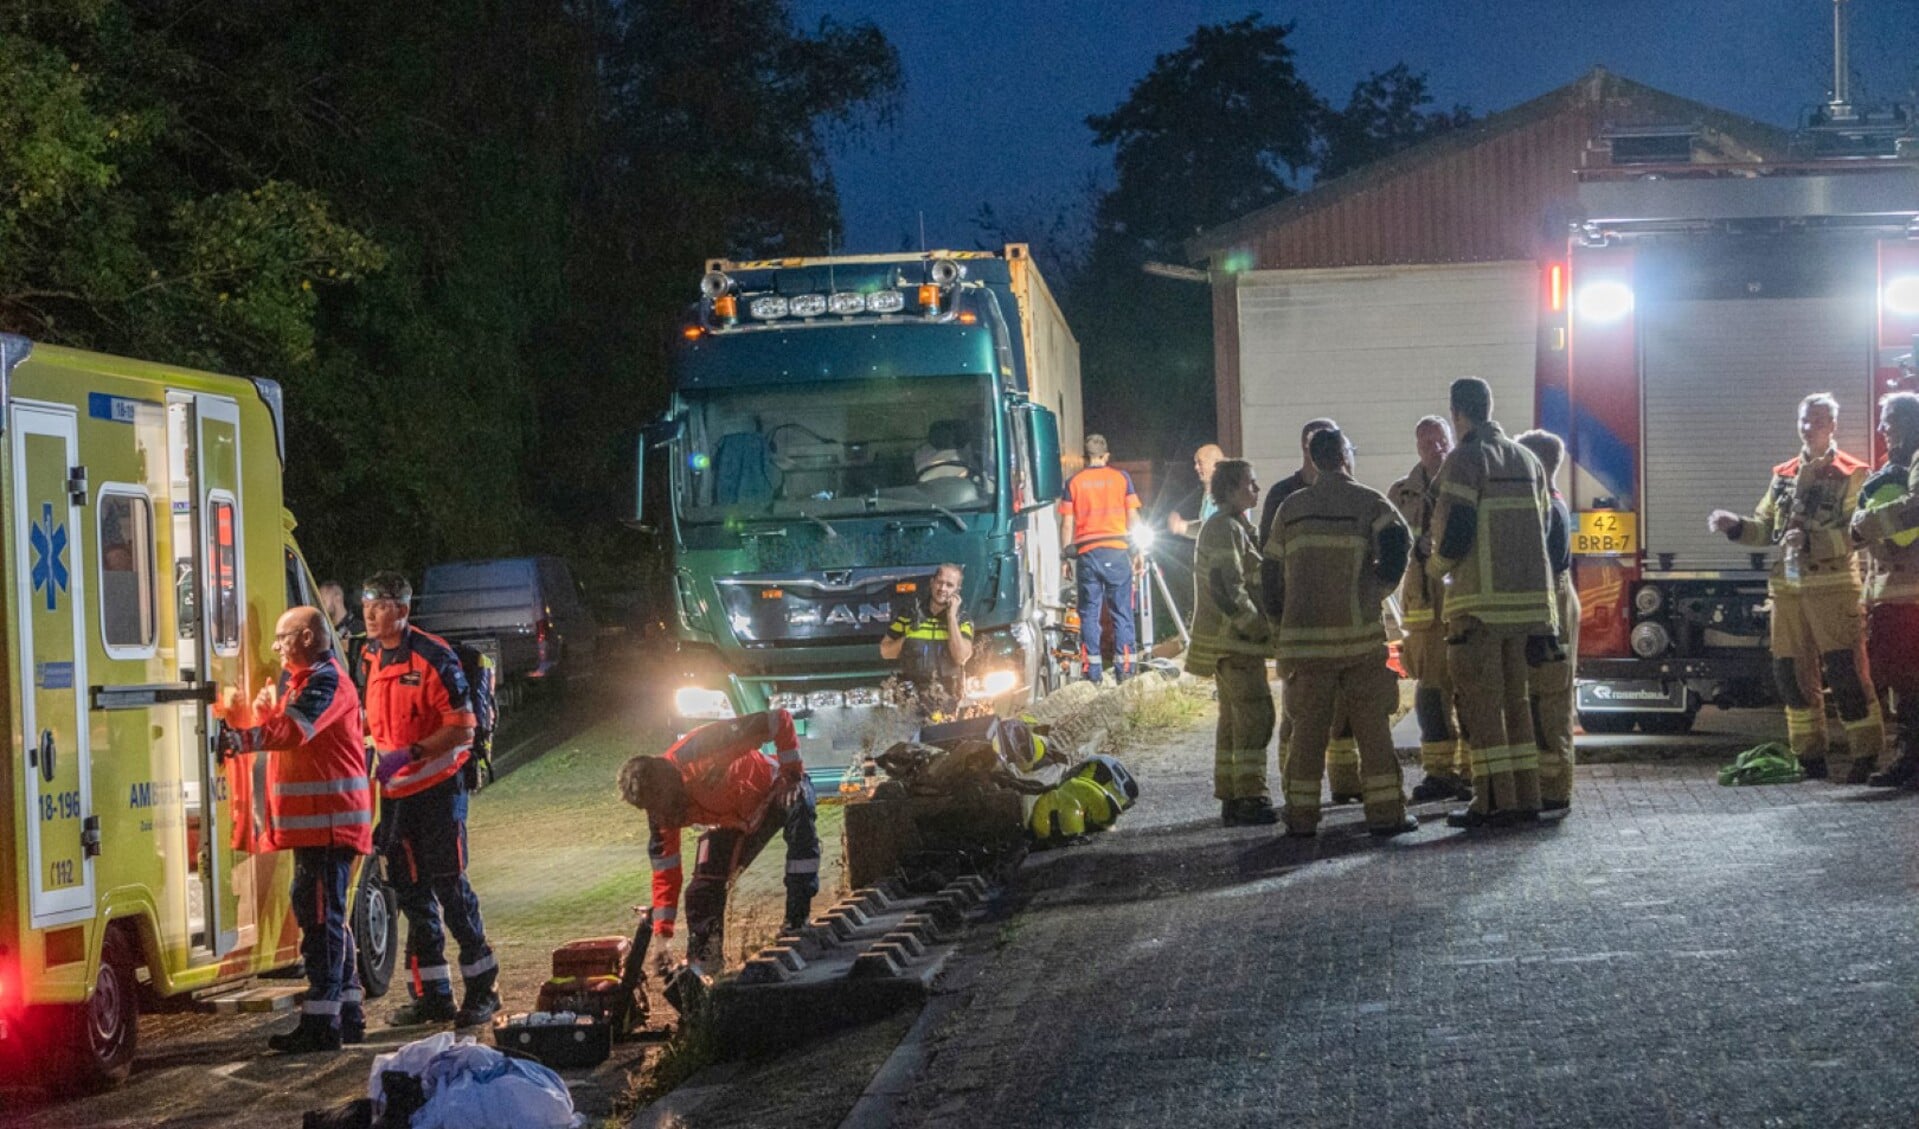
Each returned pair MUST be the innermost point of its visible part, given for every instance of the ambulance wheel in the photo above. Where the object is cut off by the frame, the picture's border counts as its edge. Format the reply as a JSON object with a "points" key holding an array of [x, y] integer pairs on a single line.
{"points": [[99, 1036], [376, 933]]}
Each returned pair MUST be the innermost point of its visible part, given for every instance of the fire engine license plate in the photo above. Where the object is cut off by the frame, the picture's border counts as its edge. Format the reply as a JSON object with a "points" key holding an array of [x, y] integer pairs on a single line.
{"points": [[1605, 533]]}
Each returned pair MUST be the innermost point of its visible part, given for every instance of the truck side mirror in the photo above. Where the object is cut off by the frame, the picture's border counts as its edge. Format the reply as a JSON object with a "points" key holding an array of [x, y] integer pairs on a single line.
{"points": [[1038, 439], [653, 437]]}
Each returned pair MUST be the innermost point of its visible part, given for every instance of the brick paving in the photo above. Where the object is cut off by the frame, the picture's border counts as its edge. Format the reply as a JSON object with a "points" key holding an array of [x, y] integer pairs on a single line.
{"points": [[1674, 953]]}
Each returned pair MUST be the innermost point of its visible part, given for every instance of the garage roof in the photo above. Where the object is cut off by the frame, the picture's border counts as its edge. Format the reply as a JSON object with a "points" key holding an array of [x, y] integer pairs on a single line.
{"points": [[1501, 188]]}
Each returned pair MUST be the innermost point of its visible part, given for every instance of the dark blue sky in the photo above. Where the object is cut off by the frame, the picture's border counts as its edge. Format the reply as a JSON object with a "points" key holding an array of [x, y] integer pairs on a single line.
{"points": [[997, 91]]}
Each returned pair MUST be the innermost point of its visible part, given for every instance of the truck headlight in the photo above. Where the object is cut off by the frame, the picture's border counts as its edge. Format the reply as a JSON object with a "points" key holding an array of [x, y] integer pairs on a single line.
{"points": [[699, 702], [825, 700], [885, 302], [787, 700], [1650, 640], [768, 307]]}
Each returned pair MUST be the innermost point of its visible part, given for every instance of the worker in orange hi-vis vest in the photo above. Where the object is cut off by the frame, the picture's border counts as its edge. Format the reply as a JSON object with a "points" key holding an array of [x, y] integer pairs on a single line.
{"points": [[1100, 512]]}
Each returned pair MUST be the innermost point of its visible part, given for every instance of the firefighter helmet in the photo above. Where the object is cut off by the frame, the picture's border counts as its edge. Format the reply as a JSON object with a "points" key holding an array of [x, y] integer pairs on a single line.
{"points": [[1110, 774], [1888, 491], [1101, 808], [1057, 815]]}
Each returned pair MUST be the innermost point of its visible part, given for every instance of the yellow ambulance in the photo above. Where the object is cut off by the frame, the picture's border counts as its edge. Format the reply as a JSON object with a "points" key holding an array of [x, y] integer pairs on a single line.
{"points": [[145, 555]]}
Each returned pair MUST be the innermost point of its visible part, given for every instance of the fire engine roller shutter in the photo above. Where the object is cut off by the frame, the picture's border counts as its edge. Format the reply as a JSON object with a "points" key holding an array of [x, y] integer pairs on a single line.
{"points": [[1723, 380], [1375, 348]]}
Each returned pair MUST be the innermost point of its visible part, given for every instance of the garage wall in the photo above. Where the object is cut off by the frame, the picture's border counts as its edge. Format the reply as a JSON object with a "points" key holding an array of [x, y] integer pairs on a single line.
{"points": [[1375, 348]]}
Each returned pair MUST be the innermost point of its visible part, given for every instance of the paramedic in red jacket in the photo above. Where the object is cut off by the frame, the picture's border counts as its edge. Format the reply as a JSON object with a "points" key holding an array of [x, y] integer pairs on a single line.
{"points": [[421, 721], [718, 778], [320, 806]]}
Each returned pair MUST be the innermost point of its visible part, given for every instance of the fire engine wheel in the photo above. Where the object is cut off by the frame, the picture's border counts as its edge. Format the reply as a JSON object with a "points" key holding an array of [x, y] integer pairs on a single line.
{"points": [[376, 934], [1668, 724], [100, 1035], [1606, 722]]}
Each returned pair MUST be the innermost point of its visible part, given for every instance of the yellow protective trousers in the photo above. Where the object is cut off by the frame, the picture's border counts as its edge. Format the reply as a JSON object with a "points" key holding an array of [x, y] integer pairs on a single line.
{"points": [[1490, 677], [1245, 728], [1314, 691], [1818, 645]]}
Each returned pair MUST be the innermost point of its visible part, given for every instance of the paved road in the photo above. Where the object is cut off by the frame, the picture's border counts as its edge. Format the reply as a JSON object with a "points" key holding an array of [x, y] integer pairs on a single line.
{"points": [[1205, 933], [1673, 953]]}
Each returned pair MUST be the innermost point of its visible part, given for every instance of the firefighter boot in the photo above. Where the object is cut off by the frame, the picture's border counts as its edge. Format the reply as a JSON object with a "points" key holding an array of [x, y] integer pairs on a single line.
{"points": [[315, 1033], [1901, 773], [1439, 786], [1247, 811], [478, 1000], [424, 1009]]}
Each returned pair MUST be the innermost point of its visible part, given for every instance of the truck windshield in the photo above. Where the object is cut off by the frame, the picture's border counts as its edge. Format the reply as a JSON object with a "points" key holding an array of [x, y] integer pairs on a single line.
{"points": [[837, 448]]}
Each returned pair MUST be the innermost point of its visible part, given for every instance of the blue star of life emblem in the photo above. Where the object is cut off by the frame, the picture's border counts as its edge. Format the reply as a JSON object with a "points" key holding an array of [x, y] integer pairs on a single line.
{"points": [[49, 544]]}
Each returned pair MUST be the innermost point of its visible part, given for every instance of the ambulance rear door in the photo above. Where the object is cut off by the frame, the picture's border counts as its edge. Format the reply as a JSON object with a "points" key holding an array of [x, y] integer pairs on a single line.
{"points": [[50, 590]]}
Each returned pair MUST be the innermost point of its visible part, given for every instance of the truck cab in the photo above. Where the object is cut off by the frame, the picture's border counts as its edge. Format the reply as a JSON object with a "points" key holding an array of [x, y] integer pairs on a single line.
{"points": [[839, 428]]}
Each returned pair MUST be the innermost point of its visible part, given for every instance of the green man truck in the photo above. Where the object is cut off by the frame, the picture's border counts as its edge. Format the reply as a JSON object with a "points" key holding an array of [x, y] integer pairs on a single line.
{"points": [[838, 428]]}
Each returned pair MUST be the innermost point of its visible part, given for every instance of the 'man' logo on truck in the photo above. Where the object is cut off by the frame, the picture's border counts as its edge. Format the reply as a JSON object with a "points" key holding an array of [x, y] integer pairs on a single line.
{"points": [[840, 615]]}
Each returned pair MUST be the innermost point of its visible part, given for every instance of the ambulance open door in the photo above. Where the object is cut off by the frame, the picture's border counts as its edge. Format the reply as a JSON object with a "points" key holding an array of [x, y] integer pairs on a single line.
{"points": [[48, 531]]}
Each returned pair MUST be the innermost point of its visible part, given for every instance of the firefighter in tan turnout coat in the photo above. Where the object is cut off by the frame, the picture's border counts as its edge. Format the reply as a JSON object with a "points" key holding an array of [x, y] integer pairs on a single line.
{"points": [[1816, 631], [1336, 549], [1231, 643], [1490, 540]]}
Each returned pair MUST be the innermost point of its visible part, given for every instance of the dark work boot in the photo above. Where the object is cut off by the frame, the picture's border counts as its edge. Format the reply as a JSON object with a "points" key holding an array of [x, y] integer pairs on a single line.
{"points": [[1901, 773], [352, 1033], [1436, 787], [1862, 770], [315, 1033], [1813, 767], [478, 1000], [1249, 811], [425, 1009]]}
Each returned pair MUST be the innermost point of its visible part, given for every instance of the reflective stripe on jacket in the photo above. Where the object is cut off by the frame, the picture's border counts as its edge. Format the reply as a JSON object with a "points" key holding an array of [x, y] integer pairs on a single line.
{"points": [[925, 656], [1227, 618], [1818, 495], [318, 792], [1419, 594], [729, 783], [1329, 546], [1489, 532], [1889, 507], [412, 692]]}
